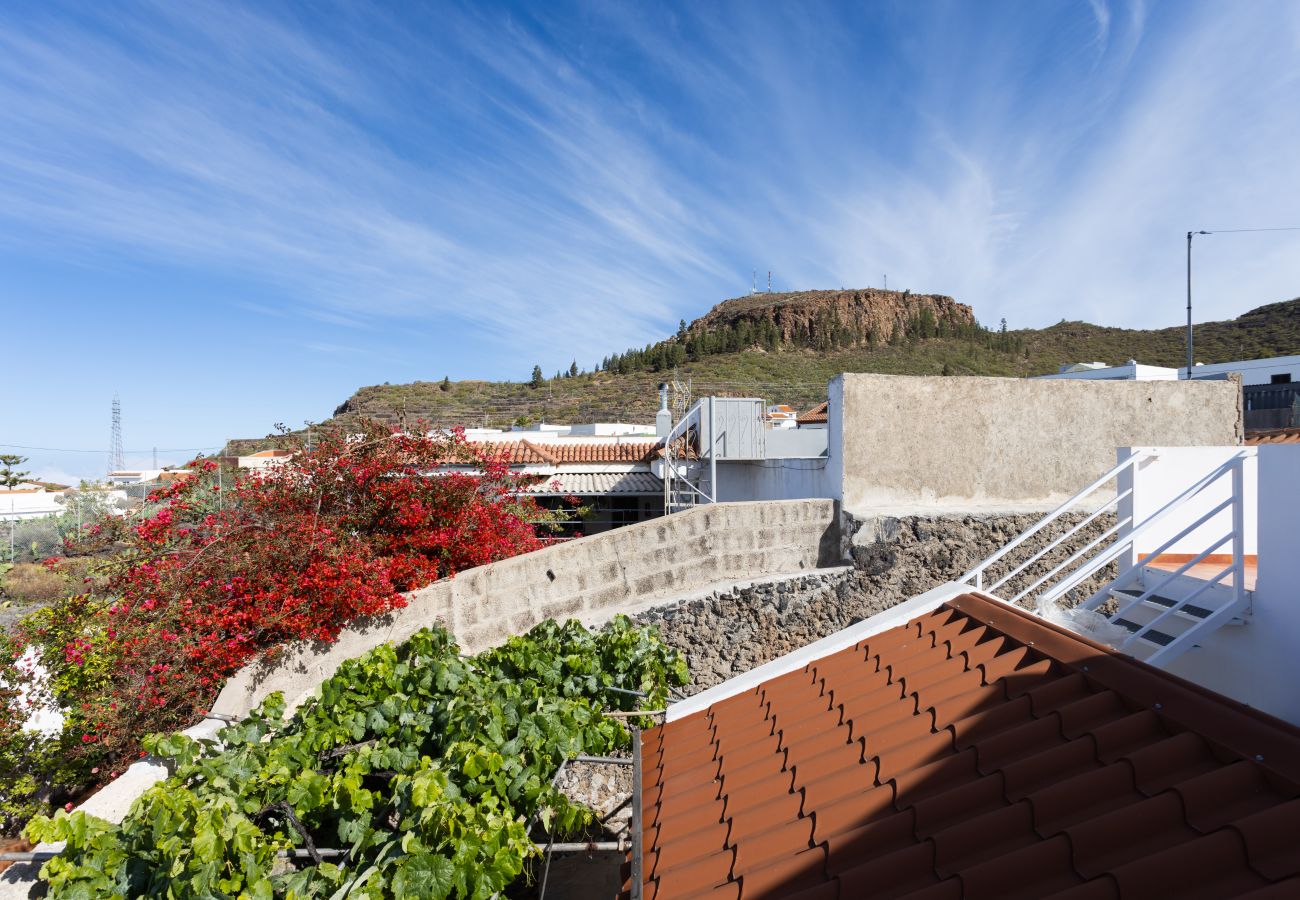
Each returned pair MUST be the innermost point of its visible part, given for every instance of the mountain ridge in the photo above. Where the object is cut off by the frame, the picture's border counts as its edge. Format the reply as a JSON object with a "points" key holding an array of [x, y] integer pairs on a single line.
{"points": [[729, 351]]}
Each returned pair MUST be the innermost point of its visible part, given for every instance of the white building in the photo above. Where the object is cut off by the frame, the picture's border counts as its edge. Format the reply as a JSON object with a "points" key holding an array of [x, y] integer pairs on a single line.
{"points": [[1275, 370], [31, 500], [1130, 371]]}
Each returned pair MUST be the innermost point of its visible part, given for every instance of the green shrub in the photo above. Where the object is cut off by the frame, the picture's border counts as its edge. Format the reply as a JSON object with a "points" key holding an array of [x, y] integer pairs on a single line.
{"points": [[422, 766]]}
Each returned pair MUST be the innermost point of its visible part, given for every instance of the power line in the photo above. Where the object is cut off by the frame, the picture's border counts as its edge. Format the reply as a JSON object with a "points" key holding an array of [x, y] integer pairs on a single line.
{"points": [[71, 450], [1245, 230]]}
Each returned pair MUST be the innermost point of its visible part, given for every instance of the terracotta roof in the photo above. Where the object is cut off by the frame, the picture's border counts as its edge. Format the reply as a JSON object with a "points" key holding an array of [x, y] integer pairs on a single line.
{"points": [[974, 752], [1273, 436], [814, 416], [526, 452]]}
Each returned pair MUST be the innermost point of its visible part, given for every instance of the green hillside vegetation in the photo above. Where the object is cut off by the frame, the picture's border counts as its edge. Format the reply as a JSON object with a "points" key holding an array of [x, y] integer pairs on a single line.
{"points": [[747, 360]]}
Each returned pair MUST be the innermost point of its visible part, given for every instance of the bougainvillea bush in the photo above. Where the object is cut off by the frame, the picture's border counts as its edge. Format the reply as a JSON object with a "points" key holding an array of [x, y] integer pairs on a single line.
{"points": [[413, 772], [226, 565]]}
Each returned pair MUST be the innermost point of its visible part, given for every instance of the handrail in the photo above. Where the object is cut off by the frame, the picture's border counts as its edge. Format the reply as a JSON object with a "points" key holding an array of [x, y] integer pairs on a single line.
{"points": [[1073, 558], [1060, 540], [1150, 626], [977, 573], [1095, 600], [1075, 578], [1168, 579], [694, 417]]}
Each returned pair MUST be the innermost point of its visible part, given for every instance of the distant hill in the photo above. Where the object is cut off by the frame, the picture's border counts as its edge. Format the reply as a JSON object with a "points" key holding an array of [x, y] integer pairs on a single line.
{"points": [[785, 347]]}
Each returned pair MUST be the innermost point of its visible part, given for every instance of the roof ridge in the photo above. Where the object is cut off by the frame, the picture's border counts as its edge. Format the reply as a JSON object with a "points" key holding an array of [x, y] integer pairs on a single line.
{"points": [[539, 451]]}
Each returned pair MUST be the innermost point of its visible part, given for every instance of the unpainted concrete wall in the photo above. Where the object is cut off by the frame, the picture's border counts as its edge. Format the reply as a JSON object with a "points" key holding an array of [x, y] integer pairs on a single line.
{"points": [[905, 442], [591, 579]]}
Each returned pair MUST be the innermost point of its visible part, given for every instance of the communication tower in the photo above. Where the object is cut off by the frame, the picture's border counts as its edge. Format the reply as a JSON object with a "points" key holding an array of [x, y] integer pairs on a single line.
{"points": [[115, 461]]}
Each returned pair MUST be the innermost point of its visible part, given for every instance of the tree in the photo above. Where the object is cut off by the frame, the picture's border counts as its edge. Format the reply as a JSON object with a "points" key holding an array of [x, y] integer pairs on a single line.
{"points": [[538, 378], [446, 383], [218, 572], [681, 330], [10, 477], [573, 369]]}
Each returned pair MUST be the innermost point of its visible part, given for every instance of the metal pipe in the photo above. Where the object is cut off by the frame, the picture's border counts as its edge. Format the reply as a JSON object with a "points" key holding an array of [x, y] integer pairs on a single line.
{"points": [[590, 846], [634, 830], [610, 760]]}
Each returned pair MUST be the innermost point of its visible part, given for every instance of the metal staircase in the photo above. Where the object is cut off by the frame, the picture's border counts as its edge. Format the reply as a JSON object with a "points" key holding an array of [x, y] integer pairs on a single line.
{"points": [[715, 428], [1152, 613], [685, 485]]}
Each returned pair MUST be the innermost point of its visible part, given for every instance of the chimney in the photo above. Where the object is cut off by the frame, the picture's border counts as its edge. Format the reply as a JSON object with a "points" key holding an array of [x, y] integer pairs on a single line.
{"points": [[664, 418]]}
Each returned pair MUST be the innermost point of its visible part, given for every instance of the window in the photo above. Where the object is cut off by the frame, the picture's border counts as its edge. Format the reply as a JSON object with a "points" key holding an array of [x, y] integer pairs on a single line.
{"points": [[1280, 378]]}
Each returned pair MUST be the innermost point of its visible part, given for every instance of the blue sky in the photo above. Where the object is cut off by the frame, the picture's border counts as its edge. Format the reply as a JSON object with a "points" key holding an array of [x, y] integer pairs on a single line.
{"points": [[236, 215]]}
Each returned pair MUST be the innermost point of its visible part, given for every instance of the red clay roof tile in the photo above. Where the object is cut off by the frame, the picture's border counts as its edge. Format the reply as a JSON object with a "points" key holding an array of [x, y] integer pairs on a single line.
{"points": [[1273, 436], [814, 416], [973, 752], [527, 452]]}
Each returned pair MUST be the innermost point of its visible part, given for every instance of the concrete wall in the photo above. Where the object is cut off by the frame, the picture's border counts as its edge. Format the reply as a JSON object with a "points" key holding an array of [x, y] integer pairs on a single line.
{"points": [[911, 442], [1257, 663], [774, 479], [1158, 480], [592, 579]]}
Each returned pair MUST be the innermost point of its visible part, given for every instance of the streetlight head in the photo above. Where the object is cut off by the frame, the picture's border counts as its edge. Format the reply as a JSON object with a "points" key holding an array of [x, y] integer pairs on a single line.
{"points": [[1202, 232]]}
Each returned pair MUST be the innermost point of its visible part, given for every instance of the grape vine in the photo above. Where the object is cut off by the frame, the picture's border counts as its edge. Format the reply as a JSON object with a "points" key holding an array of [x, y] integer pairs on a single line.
{"points": [[417, 767]]}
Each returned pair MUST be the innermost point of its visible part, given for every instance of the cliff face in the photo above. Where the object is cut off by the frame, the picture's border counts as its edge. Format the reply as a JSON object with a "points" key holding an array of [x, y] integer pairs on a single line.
{"points": [[860, 312]]}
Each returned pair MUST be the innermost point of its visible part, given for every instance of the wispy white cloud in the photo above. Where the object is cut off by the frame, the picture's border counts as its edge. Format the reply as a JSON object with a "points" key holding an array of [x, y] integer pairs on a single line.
{"points": [[1101, 14], [582, 178]]}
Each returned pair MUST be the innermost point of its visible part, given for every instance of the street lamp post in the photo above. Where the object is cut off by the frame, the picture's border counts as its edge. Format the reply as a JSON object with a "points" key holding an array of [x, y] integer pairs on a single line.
{"points": [[1189, 301]]}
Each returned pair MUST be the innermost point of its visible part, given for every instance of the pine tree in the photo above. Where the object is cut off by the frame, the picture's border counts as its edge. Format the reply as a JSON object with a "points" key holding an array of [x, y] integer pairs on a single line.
{"points": [[538, 378], [446, 383], [9, 476], [573, 369]]}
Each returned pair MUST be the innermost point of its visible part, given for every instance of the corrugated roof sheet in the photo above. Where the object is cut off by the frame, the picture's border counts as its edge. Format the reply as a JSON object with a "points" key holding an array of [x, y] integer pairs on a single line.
{"points": [[976, 752], [1273, 436], [526, 452], [584, 483], [815, 416]]}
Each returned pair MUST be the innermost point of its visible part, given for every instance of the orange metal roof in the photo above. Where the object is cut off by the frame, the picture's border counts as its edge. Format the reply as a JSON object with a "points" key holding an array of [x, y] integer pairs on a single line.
{"points": [[1273, 436], [975, 752], [814, 416], [526, 452]]}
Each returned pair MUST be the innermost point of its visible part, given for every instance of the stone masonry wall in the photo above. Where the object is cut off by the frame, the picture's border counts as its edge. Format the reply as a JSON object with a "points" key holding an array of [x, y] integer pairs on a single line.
{"points": [[591, 579], [732, 631]]}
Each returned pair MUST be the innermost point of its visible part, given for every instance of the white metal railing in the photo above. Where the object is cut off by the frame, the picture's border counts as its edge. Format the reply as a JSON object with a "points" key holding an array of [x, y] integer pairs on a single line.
{"points": [[975, 576], [1086, 562], [680, 491]]}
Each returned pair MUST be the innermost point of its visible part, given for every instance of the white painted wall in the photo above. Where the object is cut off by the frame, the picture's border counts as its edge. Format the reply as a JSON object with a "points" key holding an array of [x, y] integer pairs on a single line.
{"points": [[774, 479], [1259, 663], [1252, 371], [28, 503], [1157, 481]]}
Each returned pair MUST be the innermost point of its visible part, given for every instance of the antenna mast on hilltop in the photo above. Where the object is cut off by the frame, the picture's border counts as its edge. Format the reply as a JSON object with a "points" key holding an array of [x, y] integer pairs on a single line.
{"points": [[753, 281], [115, 461], [769, 281]]}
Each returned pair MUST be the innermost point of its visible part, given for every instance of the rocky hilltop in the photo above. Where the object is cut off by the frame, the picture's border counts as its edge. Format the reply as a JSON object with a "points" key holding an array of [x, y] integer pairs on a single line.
{"points": [[760, 346], [862, 313]]}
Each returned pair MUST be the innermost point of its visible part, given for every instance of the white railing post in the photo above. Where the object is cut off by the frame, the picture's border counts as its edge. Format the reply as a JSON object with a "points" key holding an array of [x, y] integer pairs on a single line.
{"points": [[713, 455], [1239, 529]]}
